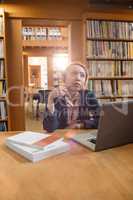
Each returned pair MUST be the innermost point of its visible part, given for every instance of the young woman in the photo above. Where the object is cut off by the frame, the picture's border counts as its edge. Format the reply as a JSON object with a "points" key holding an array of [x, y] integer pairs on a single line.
{"points": [[72, 104]]}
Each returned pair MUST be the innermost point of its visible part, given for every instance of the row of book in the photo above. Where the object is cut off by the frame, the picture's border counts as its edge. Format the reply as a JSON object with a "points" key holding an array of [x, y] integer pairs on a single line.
{"points": [[42, 33], [3, 88], [109, 29], [1, 26], [108, 49], [3, 110], [111, 88], [103, 101], [1, 49], [3, 126], [2, 71], [110, 68]]}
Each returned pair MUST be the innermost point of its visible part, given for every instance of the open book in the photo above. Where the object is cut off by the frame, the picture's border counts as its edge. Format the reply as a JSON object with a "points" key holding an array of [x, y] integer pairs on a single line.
{"points": [[36, 146]]}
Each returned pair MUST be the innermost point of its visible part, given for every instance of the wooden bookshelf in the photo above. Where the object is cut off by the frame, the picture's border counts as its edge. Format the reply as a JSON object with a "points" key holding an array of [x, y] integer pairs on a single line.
{"points": [[110, 39], [109, 57], [4, 109], [114, 97], [110, 78], [4, 120], [3, 98]]}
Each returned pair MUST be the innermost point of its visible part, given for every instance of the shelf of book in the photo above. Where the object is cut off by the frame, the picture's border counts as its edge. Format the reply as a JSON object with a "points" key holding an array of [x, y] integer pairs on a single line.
{"points": [[3, 120], [3, 98], [110, 39], [114, 97], [110, 78], [4, 110], [2, 79], [109, 57]]}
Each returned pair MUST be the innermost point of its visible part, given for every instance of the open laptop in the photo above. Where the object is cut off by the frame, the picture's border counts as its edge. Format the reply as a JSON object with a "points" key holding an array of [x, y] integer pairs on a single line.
{"points": [[115, 127]]}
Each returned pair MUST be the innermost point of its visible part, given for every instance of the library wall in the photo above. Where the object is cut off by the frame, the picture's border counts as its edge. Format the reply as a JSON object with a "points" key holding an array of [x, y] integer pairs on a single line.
{"points": [[71, 12]]}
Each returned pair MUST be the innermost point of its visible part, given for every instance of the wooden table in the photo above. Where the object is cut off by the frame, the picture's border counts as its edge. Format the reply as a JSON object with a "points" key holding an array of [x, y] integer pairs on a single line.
{"points": [[79, 174]]}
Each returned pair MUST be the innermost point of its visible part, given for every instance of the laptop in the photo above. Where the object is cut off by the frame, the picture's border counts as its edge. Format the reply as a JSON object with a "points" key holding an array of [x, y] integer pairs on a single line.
{"points": [[115, 127]]}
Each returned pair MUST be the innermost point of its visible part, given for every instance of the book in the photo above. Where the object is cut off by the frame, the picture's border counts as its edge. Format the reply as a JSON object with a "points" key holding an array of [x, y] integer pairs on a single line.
{"points": [[36, 146], [39, 144], [3, 126]]}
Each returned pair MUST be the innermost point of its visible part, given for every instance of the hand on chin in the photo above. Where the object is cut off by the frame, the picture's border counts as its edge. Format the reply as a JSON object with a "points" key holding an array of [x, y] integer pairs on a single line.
{"points": [[76, 88]]}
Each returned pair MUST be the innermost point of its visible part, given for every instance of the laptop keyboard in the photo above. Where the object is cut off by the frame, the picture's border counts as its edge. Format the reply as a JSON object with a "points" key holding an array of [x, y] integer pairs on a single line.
{"points": [[87, 138], [93, 140], [92, 136]]}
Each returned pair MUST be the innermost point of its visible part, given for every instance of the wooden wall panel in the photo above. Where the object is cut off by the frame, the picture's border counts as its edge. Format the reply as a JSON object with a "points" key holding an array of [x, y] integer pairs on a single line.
{"points": [[50, 72], [49, 9], [60, 9], [25, 69], [76, 41], [15, 74]]}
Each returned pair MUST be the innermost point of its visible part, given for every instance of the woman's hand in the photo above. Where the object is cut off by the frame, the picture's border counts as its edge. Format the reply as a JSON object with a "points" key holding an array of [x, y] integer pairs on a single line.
{"points": [[57, 92]]}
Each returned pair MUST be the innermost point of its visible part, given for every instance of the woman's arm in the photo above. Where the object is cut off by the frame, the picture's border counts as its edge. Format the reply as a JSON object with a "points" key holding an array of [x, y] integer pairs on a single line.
{"points": [[50, 121], [55, 114]]}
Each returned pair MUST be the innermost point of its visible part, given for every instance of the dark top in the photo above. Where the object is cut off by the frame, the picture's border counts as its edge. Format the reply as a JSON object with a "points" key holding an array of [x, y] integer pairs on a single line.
{"points": [[58, 120]]}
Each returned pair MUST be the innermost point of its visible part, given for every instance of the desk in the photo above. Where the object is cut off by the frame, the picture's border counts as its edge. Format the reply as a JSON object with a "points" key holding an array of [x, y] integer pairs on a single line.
{"points": [[79, 174]]}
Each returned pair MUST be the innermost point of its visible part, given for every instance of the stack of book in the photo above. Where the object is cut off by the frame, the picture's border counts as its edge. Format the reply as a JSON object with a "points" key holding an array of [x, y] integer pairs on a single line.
{"points": [[37, 146]]}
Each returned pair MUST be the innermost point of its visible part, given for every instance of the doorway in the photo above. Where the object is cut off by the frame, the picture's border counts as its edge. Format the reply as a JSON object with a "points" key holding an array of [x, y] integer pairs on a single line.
{"points": [[45, 57]]}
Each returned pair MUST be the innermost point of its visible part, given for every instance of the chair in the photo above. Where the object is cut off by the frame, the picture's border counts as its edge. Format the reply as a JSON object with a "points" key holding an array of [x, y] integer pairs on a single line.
{"points": [[43, 99]]}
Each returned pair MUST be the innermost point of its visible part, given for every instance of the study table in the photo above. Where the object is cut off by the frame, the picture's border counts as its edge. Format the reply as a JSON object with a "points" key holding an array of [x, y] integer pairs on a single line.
{"points": [[78, 174]]}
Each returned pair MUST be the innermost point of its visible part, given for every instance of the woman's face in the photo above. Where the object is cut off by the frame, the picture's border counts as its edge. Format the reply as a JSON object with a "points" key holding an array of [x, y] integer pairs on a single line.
{"points": [[75, 78]]}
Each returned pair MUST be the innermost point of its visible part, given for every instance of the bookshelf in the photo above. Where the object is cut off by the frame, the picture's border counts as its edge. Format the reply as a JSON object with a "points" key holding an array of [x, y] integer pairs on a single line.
{"points": [[109, 58], [4, 116]]}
